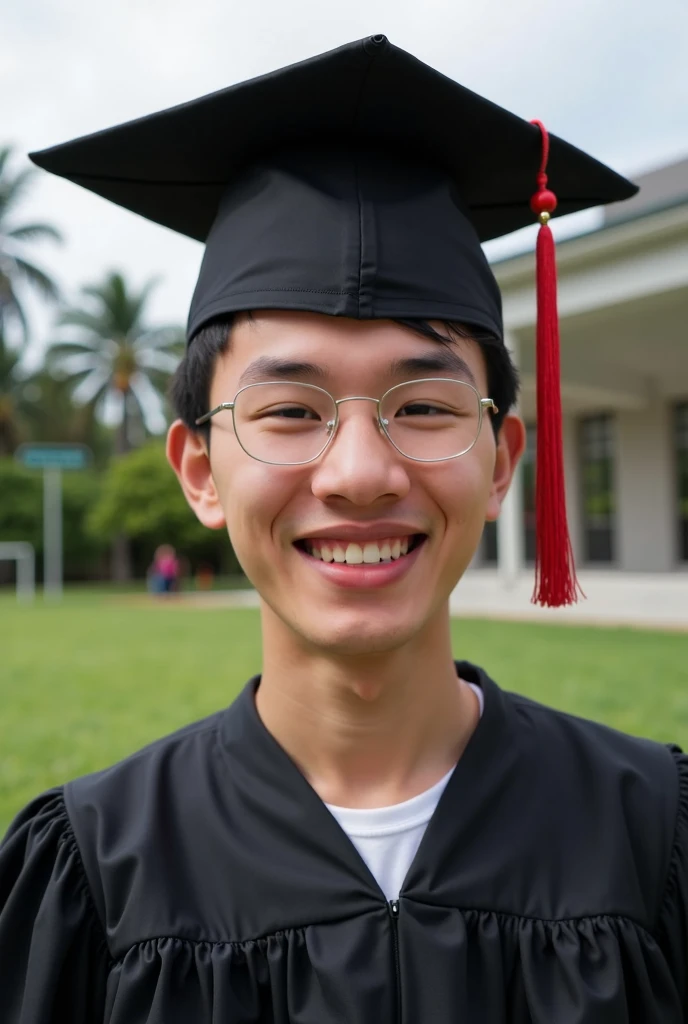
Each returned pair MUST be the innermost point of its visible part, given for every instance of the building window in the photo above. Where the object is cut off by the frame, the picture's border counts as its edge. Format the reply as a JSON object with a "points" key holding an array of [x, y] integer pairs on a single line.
{"points": [[489, 546], [681, 444], [597, 480], [528, 477]]}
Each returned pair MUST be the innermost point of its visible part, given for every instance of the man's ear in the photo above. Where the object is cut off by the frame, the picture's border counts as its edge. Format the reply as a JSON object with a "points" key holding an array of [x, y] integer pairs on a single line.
{"points": [[188, 456], [511, 444]]}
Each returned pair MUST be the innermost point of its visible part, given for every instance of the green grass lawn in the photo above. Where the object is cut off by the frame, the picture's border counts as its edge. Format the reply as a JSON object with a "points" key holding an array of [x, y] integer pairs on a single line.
{"points": [[87, 682]]}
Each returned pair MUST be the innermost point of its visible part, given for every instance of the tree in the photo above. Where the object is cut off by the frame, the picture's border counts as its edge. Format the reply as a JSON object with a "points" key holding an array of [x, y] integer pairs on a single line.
{"points": [[140, 495], [21, 517], [16, 269], [38, 407], [12, 405], [51, 415], [119, 364], [116, 360]]}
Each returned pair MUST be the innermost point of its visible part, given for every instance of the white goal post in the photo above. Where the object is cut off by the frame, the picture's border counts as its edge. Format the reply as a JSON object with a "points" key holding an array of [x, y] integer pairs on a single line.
{"points": [[23, 553]]}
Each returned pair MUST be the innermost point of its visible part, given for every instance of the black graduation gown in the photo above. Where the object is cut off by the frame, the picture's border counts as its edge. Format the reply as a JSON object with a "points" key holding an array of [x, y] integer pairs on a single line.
{"points": [[203, 881]]}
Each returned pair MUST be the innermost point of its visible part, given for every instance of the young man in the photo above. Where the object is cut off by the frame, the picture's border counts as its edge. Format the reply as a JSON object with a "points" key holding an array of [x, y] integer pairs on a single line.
{"points": [[371, 832]]}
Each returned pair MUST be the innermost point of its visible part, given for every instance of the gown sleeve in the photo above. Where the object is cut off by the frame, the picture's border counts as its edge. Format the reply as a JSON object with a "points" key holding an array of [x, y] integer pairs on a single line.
{"points": [[673, 919], [53, 952]]}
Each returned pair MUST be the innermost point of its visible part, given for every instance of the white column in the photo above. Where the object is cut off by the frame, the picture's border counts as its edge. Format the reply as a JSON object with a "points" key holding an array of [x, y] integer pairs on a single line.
{"points": [[510, 526]]}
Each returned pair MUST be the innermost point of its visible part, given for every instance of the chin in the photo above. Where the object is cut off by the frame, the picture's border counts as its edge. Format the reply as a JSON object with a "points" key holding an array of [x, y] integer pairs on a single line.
{"points": [[356, 635]]}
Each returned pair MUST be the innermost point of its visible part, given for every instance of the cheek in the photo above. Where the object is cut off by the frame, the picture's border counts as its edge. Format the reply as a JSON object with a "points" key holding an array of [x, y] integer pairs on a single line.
{"points": [[462, 489], [252, 496]]}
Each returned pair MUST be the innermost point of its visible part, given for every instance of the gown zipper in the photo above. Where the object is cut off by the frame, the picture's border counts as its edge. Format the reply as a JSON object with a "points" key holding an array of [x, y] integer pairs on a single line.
{"points": [[393, 906]]}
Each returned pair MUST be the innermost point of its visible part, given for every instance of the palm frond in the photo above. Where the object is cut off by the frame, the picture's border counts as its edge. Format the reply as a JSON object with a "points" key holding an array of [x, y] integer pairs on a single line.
{"points": [[139, 302], [87, 320], [172, 337], [57, 350], [92, 387], [116, 312], [5, 154], [11, 309], [149, 403], [31, 232], [9, 363], [66, 365], [165, 362], [12, 188], [37, 278]]}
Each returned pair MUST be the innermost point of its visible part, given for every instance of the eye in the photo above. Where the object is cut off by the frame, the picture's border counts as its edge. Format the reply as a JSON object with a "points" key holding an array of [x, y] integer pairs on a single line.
{"points": [[423, 409], [292, 412]]}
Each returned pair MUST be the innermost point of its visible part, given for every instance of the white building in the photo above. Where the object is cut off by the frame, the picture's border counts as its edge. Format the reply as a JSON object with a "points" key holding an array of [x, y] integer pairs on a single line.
{"points": [[623, 304]]}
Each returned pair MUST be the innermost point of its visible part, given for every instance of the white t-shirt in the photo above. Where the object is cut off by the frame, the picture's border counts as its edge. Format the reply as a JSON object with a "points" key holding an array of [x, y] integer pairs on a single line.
{"points": [[387, 838]]}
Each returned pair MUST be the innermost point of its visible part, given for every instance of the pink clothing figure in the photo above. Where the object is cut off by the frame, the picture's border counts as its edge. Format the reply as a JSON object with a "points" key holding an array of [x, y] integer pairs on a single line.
{"points": [[168, 566], [165, 569]]}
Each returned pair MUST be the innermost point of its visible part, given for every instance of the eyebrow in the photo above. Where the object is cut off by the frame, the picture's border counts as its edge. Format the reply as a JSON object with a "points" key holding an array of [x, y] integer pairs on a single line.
{"points": [[445, 360], [270, 368]]}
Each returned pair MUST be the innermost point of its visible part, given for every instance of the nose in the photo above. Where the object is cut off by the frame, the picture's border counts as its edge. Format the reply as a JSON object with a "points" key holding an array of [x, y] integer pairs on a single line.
{"points": [[360, 465]]}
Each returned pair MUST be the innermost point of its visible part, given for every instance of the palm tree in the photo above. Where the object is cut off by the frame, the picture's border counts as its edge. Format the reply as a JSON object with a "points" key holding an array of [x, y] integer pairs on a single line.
{"points": [[38, 407], [12, 405], [120, 365], [15, 268], [116, 360]]}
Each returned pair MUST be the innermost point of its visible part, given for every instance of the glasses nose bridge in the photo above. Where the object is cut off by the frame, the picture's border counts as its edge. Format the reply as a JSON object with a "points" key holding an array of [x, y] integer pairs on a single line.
{"points": [[361, 398], [357, 398]]}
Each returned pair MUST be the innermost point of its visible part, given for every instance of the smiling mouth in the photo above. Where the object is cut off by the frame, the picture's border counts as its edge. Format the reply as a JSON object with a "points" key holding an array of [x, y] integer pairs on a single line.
{"points": [[370, 553]]}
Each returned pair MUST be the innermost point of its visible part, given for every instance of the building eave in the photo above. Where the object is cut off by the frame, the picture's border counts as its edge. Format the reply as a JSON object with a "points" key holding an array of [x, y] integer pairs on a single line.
{"points": [[647, 229]]}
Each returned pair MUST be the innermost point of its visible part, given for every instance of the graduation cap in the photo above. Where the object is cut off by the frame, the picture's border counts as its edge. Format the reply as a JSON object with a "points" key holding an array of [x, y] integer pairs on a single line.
{"points": [[360, 183]]}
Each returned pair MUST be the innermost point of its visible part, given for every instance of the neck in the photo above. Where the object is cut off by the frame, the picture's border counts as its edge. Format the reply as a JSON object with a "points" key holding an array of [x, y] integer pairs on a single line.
{"points": [[366, 730]]}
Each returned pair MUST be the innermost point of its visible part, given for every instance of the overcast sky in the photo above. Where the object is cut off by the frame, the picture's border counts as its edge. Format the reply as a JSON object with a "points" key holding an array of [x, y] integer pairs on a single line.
{"points": [[608, 75]]}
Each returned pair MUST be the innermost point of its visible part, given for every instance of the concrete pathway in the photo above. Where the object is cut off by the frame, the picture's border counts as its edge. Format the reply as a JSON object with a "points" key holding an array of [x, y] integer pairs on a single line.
{"points": [[651, 600]]}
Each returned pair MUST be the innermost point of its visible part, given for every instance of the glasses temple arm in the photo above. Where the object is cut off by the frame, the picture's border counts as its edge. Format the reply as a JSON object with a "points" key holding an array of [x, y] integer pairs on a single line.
{"points": [[218, 408]]}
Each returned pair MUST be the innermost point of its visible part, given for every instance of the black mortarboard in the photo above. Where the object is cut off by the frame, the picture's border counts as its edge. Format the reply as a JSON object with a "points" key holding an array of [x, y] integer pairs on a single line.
{"points": [[358, 183]]}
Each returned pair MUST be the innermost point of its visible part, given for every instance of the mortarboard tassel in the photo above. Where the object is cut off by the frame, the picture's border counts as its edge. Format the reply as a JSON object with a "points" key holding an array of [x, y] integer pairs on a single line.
{"points": [[555, 572]]}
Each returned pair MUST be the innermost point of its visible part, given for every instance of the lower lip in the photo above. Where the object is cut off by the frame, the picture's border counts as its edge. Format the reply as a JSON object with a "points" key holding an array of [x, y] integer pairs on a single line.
{"points": [[364, 576]]}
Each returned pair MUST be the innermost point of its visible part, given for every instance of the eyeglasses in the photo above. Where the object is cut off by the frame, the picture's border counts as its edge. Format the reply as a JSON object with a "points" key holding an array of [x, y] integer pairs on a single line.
{"points": [[291, 424]]}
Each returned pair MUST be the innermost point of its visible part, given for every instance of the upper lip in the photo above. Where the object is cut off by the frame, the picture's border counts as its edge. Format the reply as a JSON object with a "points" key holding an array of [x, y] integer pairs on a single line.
{"points": [[361, 532]]}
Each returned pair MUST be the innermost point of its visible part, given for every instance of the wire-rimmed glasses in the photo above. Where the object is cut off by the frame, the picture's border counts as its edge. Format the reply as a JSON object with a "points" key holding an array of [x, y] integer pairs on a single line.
{"points": [[288, 423]]}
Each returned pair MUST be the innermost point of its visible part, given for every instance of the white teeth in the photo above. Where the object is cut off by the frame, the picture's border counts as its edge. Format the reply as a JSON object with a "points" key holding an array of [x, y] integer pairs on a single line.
{"points": [[354, 554], [371, 553]]}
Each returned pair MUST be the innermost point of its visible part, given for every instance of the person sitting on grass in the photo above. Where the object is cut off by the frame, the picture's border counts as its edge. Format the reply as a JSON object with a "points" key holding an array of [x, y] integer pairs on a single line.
{"points": [[372, 832]]}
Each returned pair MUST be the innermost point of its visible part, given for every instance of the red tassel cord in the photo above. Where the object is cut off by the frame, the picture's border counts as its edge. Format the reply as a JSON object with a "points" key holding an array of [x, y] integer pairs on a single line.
{"points": [[555, 574]]}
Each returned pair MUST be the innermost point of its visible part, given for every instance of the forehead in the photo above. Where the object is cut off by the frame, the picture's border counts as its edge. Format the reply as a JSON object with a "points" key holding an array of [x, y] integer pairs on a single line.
{"points": [[341, 352]]}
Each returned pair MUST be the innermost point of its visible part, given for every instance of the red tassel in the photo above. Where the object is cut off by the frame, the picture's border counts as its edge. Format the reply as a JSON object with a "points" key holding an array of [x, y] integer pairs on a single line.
{"points": [[555, 574]]}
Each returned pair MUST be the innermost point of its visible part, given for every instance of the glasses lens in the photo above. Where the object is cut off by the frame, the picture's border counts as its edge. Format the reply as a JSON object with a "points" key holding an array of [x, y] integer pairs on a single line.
{"points": [[432, 419], [283, 424]]}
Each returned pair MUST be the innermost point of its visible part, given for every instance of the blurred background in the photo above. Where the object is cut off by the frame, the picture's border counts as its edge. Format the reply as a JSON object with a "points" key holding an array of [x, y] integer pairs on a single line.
{"points": [[93, 302]]}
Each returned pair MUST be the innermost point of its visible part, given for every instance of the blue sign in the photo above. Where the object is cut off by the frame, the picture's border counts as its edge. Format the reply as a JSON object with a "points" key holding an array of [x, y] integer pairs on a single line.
{"points": [[53, 456]]}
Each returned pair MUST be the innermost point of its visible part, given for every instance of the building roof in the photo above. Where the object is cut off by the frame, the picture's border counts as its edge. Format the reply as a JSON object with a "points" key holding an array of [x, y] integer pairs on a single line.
{"points": [[659, 189], [665, 188]]}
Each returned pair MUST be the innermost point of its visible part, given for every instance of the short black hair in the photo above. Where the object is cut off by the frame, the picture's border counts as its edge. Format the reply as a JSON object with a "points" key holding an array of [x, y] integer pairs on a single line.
{"points": [[190, 385]]}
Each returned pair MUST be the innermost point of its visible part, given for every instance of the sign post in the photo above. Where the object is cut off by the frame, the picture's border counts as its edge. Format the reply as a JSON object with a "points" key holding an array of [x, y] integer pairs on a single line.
{"points": [[52, 459]]}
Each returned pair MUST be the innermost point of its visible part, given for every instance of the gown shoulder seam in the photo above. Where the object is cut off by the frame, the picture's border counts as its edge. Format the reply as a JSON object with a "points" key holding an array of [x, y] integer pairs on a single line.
{"points": [[279, 932], [68, 837]]}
